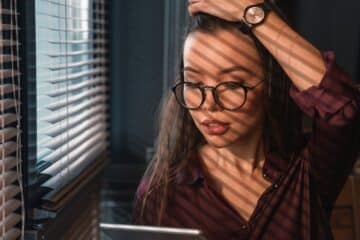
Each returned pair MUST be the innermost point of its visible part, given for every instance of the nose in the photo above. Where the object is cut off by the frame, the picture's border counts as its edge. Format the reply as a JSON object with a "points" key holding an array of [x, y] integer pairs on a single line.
{"points": [[209, 101]]}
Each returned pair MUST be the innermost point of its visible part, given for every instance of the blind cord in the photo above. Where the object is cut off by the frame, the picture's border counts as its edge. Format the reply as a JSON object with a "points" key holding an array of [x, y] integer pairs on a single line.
{"points": [[18, 114]]}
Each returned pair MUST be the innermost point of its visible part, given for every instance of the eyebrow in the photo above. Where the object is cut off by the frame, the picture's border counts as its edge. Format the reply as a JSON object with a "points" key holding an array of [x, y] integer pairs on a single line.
{"points": [[222, 71]]}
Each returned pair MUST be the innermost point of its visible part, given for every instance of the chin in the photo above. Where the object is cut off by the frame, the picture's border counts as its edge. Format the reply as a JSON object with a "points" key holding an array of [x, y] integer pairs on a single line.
{"points": [[218, 141]]}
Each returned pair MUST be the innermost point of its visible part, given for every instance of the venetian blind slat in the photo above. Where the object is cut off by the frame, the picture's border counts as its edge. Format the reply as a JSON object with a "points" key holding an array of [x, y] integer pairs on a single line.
{"points": [[6, 104], [10, 221], [73, 144], [12, 234], [8, 73], [77, 109], [73, 76], [7, 179], [75, 98], [8, 88], [60, 127], [74, 155], [8, 163], [74, 53], [76, 64], [8, 43], [98, 41], [78, 86], [8, 27], [8, 133], [9, 207], [7, 148], [72, 133], [8, 193], [6, 58], [7, 118], [5, 11], [73, 169]]}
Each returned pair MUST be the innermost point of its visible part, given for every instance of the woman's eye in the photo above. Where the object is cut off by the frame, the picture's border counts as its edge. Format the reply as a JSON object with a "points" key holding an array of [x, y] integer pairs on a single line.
{"points": [[233, 85], [240, 81]]}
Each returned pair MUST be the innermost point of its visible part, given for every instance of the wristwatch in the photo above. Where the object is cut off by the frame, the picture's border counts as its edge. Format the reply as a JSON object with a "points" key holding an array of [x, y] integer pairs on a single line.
{"points": [[254, 15]]}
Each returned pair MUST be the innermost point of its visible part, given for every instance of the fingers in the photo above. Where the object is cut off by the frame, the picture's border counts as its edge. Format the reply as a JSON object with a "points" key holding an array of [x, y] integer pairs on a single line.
{"points": [[195, 7], [224, 9]]}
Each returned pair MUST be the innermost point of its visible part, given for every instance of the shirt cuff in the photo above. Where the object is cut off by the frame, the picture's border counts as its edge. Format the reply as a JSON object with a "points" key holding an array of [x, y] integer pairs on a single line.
{"points": [[336, 99]]}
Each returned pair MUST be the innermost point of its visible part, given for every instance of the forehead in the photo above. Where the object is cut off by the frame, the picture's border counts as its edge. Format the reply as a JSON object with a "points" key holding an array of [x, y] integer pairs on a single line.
{"points": [[212, 52]]}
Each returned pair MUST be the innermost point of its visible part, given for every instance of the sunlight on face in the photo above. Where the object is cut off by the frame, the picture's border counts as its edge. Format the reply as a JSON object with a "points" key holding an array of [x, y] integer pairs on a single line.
{"points": [[214, 58]]}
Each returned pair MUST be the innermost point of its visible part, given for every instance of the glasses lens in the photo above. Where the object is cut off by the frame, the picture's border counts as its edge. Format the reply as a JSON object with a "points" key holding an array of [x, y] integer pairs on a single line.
{"points": [[189, 95], [231, 95]]}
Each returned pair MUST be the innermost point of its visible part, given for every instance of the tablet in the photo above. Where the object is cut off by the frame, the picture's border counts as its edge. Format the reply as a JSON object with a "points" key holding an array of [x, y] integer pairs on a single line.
{"points": [[140, 232]]}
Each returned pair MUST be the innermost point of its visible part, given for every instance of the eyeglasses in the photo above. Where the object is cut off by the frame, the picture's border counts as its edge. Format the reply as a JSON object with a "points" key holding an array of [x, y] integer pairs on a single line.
{"points": [[228, 95]]}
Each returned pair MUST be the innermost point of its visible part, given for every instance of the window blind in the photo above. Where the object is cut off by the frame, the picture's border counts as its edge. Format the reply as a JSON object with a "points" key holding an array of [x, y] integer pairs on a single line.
{"points": [[11, 197], [71, 89]]}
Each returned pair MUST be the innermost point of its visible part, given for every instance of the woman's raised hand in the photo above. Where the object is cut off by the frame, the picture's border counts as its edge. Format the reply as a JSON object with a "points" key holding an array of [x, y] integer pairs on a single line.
{"points": [[230, 10]]}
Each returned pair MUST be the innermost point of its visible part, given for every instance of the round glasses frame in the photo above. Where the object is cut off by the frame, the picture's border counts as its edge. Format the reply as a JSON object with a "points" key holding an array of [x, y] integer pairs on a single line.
{"points": [[213, 90]]}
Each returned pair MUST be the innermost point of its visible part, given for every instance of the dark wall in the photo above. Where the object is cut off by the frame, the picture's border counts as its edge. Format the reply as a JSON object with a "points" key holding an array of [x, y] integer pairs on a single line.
{"points": [[332, 25], [137, 51], [118, 70]]}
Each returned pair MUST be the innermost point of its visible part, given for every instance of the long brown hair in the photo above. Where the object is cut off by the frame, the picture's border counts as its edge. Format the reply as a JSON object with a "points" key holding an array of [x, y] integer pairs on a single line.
{"points": [[178, 137]]}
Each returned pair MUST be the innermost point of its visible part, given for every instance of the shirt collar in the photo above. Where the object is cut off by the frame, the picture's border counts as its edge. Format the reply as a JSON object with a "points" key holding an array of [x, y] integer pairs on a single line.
{"points": [[192, 173], [274, 167]]}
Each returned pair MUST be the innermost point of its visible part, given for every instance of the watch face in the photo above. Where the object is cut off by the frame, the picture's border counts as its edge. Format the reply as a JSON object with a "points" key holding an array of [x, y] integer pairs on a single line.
{"points": [[254, 15]]}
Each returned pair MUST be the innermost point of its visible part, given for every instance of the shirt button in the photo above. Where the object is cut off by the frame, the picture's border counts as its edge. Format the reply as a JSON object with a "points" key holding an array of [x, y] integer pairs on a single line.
{"points": [[245, 229], [276, 186], [264, 175]]}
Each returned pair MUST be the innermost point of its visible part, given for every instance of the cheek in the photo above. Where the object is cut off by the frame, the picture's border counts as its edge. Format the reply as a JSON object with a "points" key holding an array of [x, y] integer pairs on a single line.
{"points": [[247, 119], [196, 116], [252, 109]]}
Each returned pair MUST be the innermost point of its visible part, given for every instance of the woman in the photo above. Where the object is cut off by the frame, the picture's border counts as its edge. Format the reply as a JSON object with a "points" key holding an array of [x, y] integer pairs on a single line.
{"points": [[231, 158]]}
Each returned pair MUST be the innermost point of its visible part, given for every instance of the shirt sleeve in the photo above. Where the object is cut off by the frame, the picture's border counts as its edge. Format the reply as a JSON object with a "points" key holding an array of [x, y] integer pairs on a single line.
{"points": [[149, 211], [137, 203], [334, 143]]}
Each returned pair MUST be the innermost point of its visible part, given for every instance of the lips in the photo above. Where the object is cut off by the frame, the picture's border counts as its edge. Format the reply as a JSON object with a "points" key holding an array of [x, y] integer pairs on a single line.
{"points": [[215, 127]]}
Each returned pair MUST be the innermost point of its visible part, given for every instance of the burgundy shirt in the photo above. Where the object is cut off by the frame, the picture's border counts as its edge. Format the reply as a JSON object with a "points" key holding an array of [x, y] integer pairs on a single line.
{"points": [[299, 202]]}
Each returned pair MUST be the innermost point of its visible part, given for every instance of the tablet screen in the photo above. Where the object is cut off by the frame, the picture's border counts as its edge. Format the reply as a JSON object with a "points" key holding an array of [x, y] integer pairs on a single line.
{"points": [[139, 232]]}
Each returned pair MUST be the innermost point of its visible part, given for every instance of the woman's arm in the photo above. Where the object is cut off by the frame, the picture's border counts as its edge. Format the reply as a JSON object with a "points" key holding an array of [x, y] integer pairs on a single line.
{"points": [[302, 62]]}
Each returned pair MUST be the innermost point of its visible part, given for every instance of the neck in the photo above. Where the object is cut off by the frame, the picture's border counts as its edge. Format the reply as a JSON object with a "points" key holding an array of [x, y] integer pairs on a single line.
{"points": [[243, 155]]}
